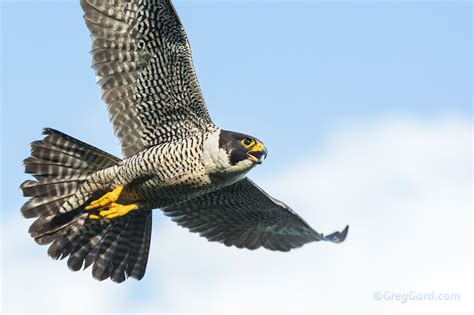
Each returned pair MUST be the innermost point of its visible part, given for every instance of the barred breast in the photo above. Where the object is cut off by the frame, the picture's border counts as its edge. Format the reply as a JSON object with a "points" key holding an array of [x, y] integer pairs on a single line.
{"points": [[164, 174], [177, 171]]}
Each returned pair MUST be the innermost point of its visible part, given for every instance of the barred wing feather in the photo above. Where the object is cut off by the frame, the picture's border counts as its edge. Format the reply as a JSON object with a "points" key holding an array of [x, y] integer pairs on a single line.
{"points": [[143, 64], [243, 215]]}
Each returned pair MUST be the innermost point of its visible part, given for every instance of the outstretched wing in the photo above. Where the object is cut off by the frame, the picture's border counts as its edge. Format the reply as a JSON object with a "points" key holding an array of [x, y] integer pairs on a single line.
{"points": [[244, 215], [143, 64]]}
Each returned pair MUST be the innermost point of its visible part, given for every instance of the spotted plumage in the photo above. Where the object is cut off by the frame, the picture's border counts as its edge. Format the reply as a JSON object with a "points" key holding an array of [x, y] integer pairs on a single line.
{"points": [[96, 209]]}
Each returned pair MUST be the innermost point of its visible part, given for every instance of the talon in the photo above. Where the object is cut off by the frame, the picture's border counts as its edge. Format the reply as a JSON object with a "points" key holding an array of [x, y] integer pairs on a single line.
{"points": [[107, 199], [94, 217], [117, 210]]}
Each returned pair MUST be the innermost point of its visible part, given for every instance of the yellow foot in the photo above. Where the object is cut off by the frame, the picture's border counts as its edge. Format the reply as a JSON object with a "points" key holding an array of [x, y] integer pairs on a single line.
{"points": [[106, 199], [115, 210]]}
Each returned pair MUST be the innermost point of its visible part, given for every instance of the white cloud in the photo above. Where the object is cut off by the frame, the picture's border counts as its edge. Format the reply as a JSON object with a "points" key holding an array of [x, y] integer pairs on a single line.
{"points": [[403, 185], [32, 282]]}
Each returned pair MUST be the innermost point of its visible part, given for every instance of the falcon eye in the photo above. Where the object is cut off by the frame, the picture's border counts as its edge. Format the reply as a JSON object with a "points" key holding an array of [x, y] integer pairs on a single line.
{"points": [[247, 142]]}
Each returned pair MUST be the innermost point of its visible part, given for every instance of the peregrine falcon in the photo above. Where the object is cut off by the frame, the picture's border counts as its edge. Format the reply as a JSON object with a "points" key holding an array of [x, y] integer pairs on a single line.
{"points": [[96, 209]]}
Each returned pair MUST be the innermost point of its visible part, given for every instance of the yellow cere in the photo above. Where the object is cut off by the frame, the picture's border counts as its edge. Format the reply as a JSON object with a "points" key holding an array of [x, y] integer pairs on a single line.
{"points": [[258, 147]]}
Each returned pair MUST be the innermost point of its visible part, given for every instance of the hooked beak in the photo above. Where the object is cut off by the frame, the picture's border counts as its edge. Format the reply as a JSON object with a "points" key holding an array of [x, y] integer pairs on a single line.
{"points": [[258, 153]]}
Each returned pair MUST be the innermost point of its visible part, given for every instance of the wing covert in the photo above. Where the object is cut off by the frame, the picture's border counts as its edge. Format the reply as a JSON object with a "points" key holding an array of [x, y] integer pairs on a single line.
{"points": [[244, 215], [143, 64]]}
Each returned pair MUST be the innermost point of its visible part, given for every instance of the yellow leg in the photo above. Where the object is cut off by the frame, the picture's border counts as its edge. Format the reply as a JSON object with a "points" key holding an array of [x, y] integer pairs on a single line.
{"points": [[106, 200], [115, 210]]}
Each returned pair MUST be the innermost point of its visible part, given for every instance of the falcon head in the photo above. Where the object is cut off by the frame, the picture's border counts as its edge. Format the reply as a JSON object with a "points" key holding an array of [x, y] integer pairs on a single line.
{"points": [[242, 148], [229, 155]]}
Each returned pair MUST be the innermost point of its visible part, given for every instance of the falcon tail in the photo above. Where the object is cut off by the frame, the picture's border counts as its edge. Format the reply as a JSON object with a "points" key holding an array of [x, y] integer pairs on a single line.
{"points": [[61, 164]]}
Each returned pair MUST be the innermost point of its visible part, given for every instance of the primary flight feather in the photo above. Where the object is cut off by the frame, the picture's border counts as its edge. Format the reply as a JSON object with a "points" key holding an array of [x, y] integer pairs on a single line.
{"points": [[96, 209]]}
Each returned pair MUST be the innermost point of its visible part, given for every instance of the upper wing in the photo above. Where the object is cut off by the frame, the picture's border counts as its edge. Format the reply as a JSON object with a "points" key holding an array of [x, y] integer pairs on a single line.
{"points": [[143, 62], [245, 216]]}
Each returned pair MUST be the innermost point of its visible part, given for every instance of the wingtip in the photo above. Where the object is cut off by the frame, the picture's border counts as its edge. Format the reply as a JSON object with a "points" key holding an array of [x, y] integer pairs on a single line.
{"points": [[338, 237], [48, 130]]}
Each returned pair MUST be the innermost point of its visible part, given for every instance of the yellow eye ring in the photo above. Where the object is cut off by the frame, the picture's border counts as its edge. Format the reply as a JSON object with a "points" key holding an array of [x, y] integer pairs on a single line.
{"points": [[247, 142]]}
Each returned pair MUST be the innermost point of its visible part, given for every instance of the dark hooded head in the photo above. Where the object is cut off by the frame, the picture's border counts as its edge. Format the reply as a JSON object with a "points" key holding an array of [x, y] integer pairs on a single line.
{"points": [[242, 147]]}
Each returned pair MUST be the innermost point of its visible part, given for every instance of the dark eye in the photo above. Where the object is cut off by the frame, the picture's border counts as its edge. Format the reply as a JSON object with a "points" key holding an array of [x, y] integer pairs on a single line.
{"points": [[247, 142]]}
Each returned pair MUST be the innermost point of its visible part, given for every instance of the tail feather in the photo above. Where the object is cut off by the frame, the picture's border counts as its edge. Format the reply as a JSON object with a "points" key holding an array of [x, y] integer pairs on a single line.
{"points": [[119, 275], [43, 168], [53, 223], [47, 152], [116, 259], [84, 247], [101, 269], [120, 255], [77, 233], [61, 164], [85, 152], [50, 187], [139, 250], [43, 206]]}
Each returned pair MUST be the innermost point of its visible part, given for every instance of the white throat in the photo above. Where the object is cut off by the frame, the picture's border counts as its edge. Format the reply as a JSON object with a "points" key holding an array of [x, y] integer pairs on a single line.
{"points": [[216, 160]]}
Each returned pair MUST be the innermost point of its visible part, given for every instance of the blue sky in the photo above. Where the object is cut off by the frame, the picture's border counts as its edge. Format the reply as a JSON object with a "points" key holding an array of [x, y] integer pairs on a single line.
{"points": [[292, 73]]}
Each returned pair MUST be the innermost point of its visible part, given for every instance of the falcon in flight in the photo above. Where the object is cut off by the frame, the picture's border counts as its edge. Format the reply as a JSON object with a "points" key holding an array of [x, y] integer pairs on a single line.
{"points": [[96, 209]]}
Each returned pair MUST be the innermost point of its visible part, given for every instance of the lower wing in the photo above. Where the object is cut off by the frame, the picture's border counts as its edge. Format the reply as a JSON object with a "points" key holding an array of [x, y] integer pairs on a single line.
{"points": [[243, 215]]}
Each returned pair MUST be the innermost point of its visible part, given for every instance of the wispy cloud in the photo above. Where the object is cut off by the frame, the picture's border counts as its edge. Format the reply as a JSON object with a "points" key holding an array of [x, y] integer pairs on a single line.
{"points": [[403, 185]]}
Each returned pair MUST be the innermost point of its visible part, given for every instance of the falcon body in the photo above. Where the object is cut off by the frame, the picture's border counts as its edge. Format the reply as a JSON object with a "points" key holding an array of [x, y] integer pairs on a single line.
{"points": [[96, 209], [170, 173]]}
